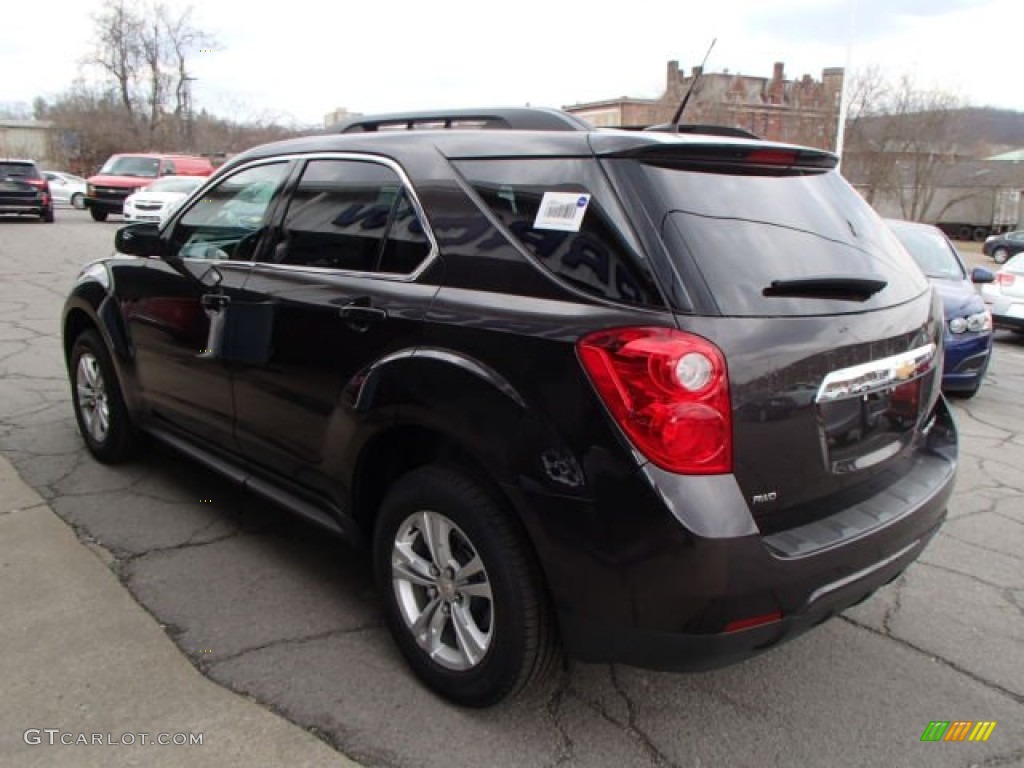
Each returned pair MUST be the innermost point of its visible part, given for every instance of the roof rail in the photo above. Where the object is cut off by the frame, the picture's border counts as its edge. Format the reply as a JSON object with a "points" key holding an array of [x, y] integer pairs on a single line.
{"points": [[507, 118]]}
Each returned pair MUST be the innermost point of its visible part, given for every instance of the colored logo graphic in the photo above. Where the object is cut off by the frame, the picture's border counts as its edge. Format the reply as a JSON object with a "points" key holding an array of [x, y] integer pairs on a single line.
{"points": [[958, 730]]}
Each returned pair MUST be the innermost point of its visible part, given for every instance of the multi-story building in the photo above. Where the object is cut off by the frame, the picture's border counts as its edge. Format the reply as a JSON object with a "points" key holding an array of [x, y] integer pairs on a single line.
{"points": [[804, 111]]}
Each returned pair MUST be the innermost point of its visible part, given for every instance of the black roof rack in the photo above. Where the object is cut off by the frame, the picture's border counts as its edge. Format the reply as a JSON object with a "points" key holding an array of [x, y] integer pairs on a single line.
{"points": [[514, 118]]}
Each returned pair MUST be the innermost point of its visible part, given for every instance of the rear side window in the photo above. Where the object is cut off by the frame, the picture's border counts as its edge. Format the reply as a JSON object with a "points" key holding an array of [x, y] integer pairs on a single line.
{"points": [[352, 215], [739, 232], [594, 253]]}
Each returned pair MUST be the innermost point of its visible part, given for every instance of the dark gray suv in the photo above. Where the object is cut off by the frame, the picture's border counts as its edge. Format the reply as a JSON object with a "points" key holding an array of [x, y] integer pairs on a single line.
{"points": [[665, 400]]}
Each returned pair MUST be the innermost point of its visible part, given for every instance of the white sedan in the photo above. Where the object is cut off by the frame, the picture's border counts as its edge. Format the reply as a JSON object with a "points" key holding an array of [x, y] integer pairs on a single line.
{"points": [[1005, 297], [158, 200], [66, 188]]}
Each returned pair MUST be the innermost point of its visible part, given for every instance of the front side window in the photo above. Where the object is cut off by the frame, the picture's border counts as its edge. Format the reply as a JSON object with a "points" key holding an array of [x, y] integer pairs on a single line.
{"points": [[351, 215], [227, 222]]}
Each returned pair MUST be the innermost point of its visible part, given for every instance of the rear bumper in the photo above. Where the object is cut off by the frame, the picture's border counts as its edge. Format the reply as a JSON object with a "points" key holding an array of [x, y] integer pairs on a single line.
{"points": [[692, 652], [1001, 318], [667, 597], [15, 205]]}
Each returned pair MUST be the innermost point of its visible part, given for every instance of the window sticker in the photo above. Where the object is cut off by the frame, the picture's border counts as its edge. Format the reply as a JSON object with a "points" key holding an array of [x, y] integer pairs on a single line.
{"points": [[562, 211]]}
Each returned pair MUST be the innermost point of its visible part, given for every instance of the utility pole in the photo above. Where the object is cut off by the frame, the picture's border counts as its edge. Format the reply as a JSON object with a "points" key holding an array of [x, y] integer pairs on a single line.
{"points": [[187, 93]]}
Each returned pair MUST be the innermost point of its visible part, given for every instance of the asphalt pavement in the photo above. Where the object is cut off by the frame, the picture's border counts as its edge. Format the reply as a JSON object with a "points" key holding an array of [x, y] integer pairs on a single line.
{"points": [[156, 598]]}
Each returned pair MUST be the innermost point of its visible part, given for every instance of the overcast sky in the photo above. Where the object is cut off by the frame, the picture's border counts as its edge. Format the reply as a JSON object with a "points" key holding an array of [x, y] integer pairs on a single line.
{"points": [[300, 59]]}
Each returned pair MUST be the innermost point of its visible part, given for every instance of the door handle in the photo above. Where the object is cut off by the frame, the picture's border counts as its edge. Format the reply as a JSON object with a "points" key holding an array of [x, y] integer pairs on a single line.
{"points": [[360, 315], [214, 301]]}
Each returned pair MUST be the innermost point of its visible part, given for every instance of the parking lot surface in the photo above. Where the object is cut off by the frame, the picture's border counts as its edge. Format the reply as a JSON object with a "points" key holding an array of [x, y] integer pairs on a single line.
{"points": [[275, 610]]}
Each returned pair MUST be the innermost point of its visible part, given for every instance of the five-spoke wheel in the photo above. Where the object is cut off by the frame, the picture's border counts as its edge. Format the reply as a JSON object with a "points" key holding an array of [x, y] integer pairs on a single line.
{"points": [[462, 592]]}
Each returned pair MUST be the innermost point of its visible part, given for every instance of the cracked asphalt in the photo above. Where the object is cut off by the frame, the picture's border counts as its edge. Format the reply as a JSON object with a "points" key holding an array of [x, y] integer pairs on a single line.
{"points": [[276, 611]]}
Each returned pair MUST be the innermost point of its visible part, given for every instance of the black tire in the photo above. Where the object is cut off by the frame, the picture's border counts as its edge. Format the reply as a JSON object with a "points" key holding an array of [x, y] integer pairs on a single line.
{"points": [[47, 215], [96, 397], [78, 201], [999, 255], [98, 215], [516, 619], [964, 394]]}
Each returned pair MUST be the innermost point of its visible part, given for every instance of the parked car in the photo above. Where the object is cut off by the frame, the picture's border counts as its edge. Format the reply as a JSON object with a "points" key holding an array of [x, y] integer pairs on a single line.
{"points": [[517, 365], [66, 188], [24, 190], [1005, 296], [1002, 247], [968, 339], [123, 175], [159, 199]]}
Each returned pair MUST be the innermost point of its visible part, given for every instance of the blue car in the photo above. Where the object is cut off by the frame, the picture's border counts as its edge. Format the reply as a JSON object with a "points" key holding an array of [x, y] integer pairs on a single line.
{"points": [[968, 338]]}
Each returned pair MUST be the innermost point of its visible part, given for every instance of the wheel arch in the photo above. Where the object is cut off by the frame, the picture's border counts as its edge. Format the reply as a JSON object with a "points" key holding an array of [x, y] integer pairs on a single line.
{"points": [[403, 448]]}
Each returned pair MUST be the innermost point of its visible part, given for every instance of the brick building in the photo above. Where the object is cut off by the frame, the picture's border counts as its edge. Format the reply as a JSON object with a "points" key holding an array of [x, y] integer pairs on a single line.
{"points": [[804, 111]]}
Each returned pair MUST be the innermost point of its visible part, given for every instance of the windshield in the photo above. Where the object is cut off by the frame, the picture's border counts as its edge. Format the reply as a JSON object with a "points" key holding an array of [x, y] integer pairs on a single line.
{"points": [[183, 184], [127, 165], [930, 249]]}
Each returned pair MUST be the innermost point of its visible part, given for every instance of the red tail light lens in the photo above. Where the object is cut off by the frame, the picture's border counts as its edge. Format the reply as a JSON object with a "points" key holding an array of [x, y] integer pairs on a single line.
{"points": [[668, 391], [43, 186], [1005, 278]]}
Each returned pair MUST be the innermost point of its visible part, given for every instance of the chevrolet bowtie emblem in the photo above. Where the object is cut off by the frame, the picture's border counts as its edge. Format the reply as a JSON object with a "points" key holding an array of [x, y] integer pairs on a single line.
{"points": [[904, 370]]}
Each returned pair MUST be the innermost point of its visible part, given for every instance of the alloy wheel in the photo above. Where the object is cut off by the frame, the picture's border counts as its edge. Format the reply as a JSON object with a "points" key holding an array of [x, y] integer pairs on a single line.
{"points": [[92, 397], [442, 590]]}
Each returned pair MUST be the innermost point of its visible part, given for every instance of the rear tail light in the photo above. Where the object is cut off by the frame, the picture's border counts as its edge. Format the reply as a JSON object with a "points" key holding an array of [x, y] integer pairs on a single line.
{"points": [[1005, 279], [668, 391], [43, 186]]}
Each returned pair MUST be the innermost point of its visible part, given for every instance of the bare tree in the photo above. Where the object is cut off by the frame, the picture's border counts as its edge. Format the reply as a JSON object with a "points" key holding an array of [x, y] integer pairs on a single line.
{"points": [[143, 49], [118, 51], [900, 141]]}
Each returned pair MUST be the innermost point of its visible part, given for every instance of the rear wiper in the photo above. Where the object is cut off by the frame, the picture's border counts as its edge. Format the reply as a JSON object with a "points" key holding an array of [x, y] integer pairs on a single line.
{"points": [[842, 287]]}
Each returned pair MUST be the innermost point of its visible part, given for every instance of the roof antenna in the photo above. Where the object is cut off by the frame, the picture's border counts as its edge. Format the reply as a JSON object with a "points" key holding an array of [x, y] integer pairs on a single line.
{"points": [[679, 112]]}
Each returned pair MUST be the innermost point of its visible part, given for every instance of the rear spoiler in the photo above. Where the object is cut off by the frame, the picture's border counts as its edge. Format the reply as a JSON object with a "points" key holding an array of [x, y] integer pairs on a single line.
{"points": [[703, 129], [735, 158]]}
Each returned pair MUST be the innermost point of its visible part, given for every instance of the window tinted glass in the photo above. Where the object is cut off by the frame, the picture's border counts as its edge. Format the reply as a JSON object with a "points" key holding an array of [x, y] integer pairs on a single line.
{"points": [[744, 232], [226, 223], [22, 170], [351, 215], [593, 254], [143, 167]]}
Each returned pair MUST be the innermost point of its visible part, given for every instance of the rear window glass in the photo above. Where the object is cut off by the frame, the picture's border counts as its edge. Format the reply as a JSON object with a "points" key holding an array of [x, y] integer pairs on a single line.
{"points": [[24, 170], [593, 253], [743, 232]]}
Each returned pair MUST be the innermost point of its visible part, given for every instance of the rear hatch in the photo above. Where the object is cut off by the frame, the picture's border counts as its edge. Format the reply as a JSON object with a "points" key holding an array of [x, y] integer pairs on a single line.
{"points": [[831, 335], [20, 184]]}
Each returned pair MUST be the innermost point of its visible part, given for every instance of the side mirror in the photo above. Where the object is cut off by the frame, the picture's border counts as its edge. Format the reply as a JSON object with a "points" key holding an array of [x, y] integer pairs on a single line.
{"points": [[982, 275], [142, 239]]}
